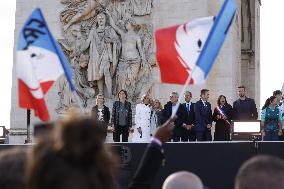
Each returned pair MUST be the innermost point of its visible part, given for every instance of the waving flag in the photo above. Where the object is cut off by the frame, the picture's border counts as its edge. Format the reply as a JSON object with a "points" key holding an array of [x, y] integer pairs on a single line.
{"points": [[189, 50], [40, 61]]}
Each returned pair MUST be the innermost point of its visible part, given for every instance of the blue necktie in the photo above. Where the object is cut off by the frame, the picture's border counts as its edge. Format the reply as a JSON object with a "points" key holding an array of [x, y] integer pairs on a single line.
{"points": [[187, 107]]}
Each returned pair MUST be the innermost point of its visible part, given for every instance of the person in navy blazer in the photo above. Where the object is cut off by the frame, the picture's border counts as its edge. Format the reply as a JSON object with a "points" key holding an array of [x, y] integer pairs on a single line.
{"points": [[181, 120], [203, 117], [189, 131]]}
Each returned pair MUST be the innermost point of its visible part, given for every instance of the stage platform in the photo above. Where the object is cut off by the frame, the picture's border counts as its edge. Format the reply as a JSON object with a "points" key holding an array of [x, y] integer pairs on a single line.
{"points": [[216, 163]]}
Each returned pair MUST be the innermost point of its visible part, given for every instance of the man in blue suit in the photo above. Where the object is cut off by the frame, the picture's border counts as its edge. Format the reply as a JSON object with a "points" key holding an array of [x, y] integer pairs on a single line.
{"points": [[203, 117]]}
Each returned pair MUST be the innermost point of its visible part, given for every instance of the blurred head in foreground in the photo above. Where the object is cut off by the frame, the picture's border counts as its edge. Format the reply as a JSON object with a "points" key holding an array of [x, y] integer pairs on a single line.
{"points": [[183, 180], [12, 168], [261, 172], [74, 156]]}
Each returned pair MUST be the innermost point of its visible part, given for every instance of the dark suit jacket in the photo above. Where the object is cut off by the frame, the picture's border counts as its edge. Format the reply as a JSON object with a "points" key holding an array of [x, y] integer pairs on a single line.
{"points": [[181, 118], [244, 110], [106, 113], [148, 168], [190, 114], [203, 115]]}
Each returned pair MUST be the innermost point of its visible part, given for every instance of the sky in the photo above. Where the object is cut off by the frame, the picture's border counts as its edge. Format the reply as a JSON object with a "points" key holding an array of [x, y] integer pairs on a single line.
{"points": [[271, 47], [272, 40], [7, 25]]}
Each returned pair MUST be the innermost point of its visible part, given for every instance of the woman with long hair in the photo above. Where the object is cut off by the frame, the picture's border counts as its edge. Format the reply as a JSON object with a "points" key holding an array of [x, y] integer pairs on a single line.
{"points": [[271, 120], [121, 117], [142, 120], [74, 156], [222, 116]]}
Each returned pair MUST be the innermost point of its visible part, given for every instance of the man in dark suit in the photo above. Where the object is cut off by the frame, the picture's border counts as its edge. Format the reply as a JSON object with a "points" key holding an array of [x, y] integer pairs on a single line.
{"points": [[244, 108], [203, 117], [152, 158], [181, 121], [190, 132]]}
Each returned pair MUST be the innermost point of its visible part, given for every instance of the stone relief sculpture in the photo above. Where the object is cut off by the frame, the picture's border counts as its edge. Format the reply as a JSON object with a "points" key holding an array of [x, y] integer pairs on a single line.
{"points": [[132, 56], [107, 49], [104, 45], [141, 7]]}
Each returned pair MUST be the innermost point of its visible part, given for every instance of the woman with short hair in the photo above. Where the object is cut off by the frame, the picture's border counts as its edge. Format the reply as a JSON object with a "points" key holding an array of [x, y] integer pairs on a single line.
{"points": [[142, 120], [101, 112]]}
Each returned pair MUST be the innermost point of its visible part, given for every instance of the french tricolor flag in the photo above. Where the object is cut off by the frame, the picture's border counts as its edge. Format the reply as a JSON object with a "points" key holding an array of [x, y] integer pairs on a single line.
{"points": [[40, 61], [189, 50]]}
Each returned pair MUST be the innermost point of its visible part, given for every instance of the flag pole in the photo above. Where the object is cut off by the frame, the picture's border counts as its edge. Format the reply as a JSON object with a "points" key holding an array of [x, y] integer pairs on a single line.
{"points": [[28, 127], [182, 92]]}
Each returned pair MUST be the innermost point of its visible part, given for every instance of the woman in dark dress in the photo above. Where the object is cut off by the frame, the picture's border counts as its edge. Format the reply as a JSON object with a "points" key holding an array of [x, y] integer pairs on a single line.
{"points": [[101, 112], [222, 116]]}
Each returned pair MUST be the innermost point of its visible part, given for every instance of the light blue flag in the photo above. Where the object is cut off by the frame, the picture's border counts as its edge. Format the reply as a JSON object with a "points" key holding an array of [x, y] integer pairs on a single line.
{"points": [[215, 39]]}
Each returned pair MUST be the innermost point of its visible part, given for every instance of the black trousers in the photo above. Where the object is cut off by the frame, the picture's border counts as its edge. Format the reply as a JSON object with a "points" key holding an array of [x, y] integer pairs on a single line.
{"points": [[121, 130], [191, 135], [204, 135]]}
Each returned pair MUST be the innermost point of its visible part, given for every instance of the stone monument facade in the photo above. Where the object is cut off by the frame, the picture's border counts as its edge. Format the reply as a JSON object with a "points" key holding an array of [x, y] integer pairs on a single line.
{"points": [[110, 46]]}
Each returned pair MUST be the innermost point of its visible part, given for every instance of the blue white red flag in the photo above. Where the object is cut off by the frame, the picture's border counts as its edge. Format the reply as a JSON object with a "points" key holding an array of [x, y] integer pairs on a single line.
{"points": [[189, 50], [40, 61]]}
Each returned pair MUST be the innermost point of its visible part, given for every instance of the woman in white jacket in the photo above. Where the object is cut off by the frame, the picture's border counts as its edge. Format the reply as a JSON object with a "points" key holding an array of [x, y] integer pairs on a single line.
{"points": [[142, 121]]}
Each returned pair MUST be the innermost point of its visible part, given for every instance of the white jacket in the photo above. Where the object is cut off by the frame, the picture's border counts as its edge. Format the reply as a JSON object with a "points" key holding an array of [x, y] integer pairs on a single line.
{"points": [[142, 120]]}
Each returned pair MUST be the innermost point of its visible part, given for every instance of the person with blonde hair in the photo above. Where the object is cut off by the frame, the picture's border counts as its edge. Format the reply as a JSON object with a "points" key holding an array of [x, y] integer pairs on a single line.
{"points": [[101, 112], [142, 120], [156, 116]]}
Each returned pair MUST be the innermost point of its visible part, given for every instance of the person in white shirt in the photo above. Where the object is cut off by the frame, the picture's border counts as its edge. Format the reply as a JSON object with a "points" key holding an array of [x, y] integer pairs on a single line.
{"points": [[142, 121]]}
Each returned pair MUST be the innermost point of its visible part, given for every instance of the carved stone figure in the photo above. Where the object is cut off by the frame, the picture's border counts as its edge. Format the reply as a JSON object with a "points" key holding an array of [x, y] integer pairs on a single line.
{"points": [[89, 10], [65, 96], [131, 57], [141, 7], [82, 88], [120, 11], [78, 63], [103, 46]]}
